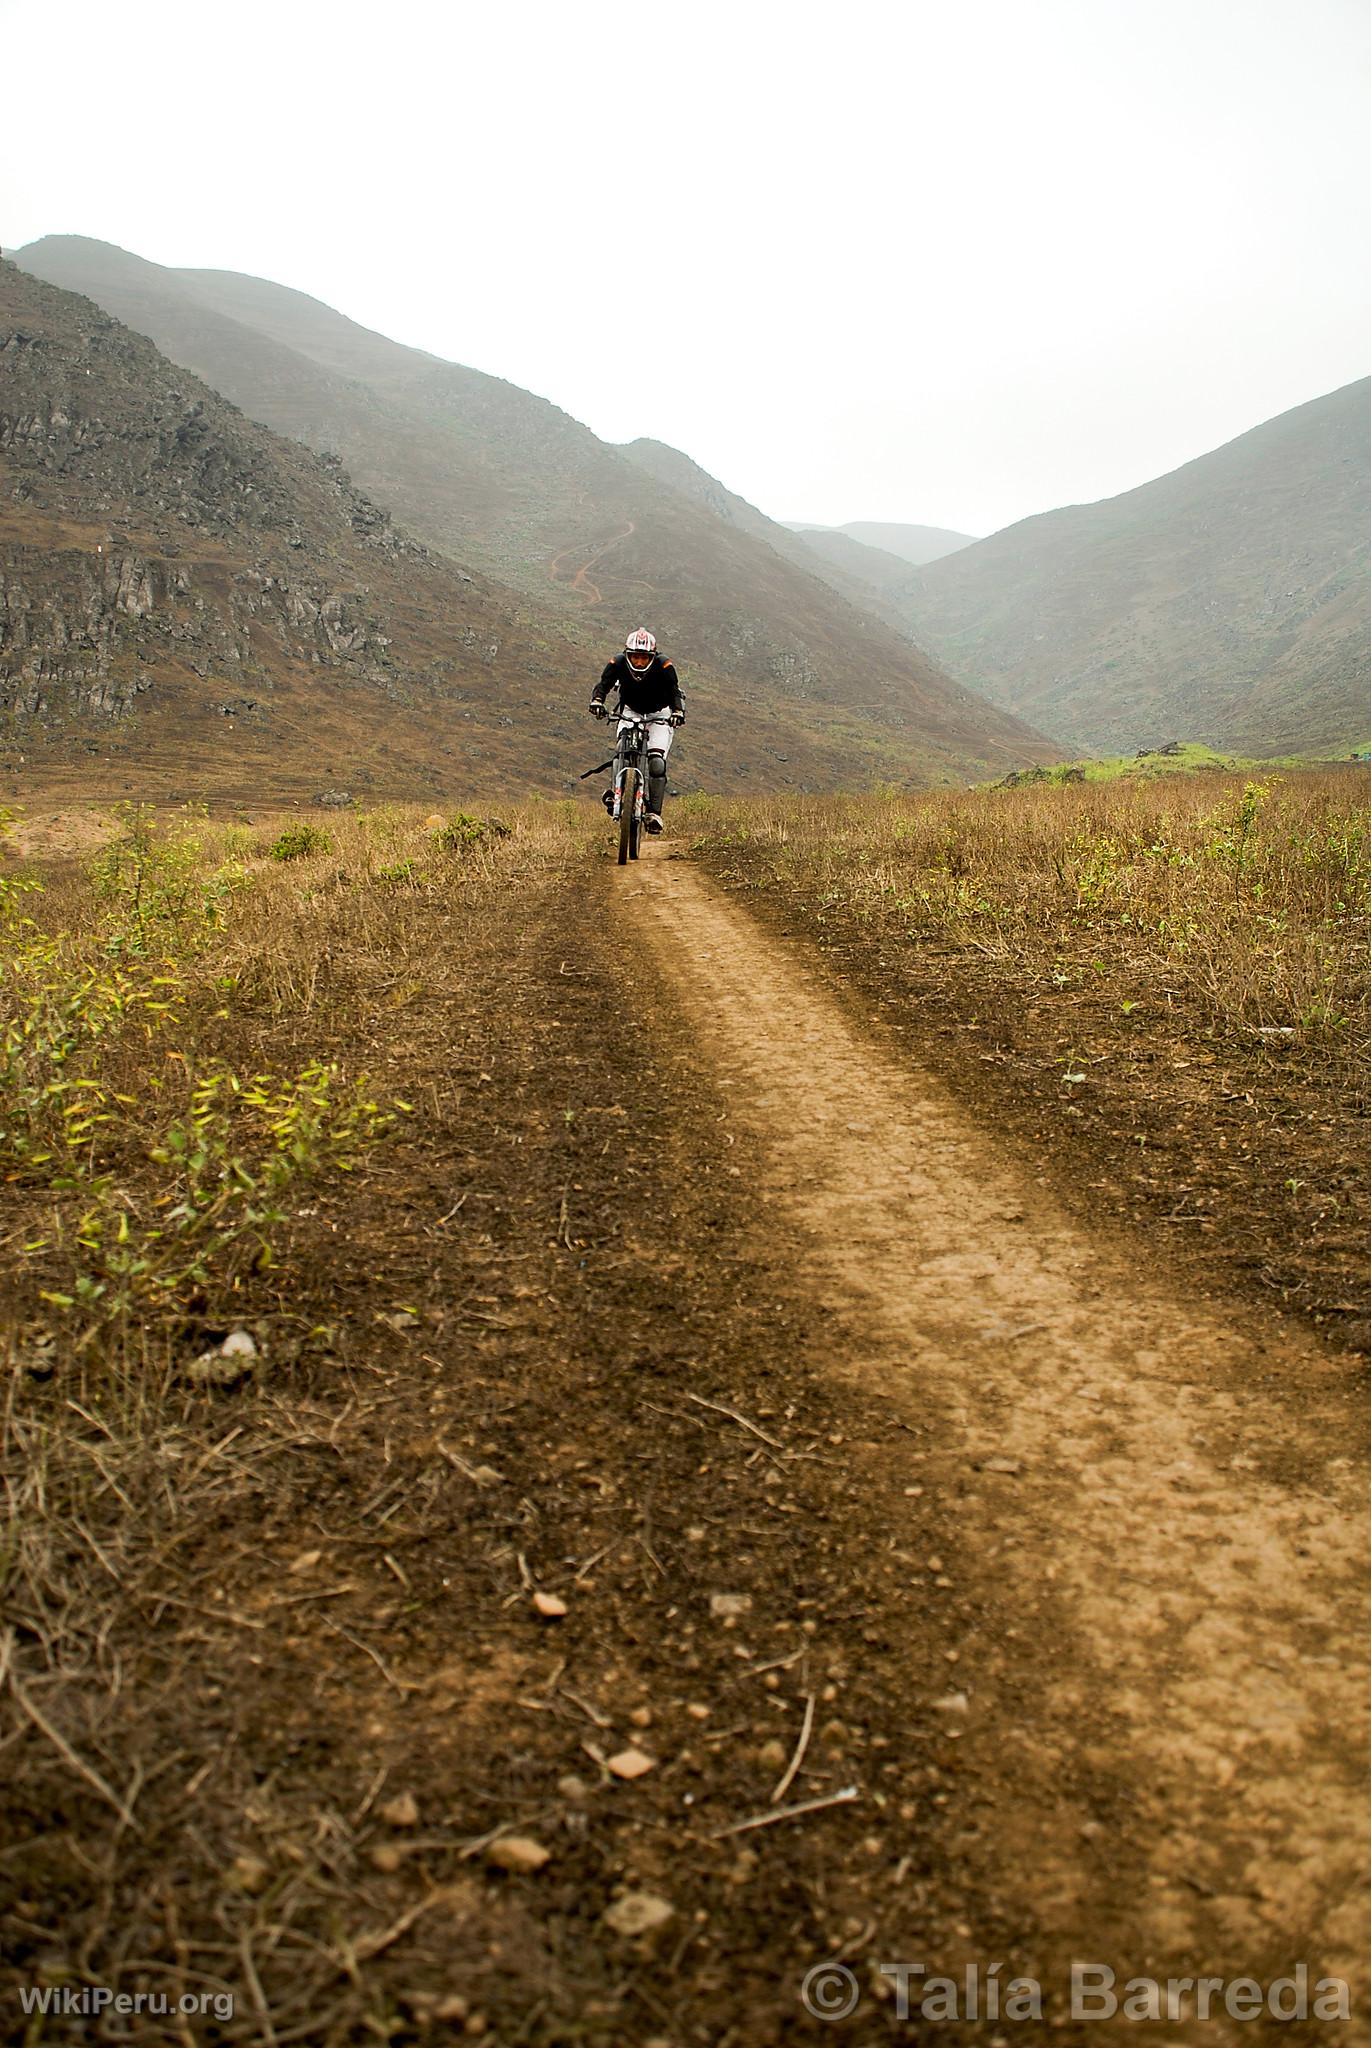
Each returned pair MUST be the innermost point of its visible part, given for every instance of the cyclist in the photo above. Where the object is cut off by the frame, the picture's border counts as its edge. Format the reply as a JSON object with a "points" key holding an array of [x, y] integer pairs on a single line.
{"points": [[647, 683]]}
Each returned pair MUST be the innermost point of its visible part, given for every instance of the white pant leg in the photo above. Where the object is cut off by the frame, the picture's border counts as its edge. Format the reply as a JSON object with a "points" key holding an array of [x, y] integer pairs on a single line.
{"points": [[660, 731]]}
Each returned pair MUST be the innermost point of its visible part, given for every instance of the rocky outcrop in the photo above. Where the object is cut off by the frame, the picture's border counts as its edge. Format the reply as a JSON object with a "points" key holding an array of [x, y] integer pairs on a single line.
{"points": [[148, 530]]}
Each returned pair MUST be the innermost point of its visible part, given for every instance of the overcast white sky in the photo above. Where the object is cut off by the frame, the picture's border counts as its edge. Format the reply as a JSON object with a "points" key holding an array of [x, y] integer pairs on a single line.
{"points": [[945, 263]]}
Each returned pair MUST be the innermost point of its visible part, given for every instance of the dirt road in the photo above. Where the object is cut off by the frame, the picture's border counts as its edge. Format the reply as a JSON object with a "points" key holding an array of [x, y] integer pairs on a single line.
{"points": [[708, 1514], [572, 566], [1172, 1563]]}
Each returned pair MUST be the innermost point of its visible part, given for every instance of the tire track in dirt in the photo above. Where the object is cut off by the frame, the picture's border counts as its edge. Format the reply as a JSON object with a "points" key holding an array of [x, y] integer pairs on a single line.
{"points": [[579, 579], [1179, 1559]]}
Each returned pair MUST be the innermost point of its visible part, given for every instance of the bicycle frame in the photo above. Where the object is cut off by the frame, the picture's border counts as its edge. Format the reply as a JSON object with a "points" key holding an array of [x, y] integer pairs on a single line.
{"points": [[631, 752]]}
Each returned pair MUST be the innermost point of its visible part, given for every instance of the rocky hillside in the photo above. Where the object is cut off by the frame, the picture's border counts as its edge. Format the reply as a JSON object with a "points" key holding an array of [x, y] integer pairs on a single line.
{"points": [[1229, 601], [814, 685], [162, 555]]}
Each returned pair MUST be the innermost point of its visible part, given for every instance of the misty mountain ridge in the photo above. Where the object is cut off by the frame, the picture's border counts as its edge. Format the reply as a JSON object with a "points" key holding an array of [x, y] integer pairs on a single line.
{"points": [[1229, 600], [916, 544], [568, 537]]}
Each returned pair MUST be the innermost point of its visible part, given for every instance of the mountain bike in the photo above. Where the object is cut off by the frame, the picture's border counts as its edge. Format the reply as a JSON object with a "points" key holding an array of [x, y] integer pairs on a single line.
{"points": [[630, 784]]}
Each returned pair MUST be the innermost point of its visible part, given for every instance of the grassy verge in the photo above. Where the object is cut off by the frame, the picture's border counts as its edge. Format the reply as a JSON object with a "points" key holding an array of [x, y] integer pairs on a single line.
{"points": [[1174, 973], [185, 1020], [212, 1046]]}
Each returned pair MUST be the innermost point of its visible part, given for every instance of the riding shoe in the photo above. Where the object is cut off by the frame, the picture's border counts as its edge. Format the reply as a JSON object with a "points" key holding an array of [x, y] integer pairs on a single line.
{"points": [[653, 823]]}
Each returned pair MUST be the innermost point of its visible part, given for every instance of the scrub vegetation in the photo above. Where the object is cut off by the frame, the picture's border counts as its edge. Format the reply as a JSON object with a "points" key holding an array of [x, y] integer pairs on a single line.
{"points": [[1171, 971]]}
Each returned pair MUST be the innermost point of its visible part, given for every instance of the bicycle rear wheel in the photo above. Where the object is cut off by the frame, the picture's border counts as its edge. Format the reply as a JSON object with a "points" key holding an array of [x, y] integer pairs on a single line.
{"points": [[628, 818]]}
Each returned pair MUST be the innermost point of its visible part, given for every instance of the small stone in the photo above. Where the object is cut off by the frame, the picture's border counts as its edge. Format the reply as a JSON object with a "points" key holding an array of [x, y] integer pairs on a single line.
{"points": [[573, 1789], [638, 1913], [631, 1763], [305, 1562], [387, 1858], [1010, 1466], [953, 1703], [549, 1605], [249, 1874], [641, 1717], [772, 1755], [238, 1344], [452, 2007], [212, 1369], [698, 1711], [724, 1605], [518, 1853], [401, 1812]]}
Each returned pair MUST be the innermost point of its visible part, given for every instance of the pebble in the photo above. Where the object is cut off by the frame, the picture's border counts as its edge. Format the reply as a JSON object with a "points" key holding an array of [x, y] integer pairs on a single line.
{"points": [[722, 1605], [519, 1853], [549, 1605], [401, 1812], [249, 1874], [638, 1913], [631, 1763]]}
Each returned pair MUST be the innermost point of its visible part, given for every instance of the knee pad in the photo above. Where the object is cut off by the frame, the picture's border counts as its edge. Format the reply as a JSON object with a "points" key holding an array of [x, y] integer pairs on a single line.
{"points": [[656, 763]]}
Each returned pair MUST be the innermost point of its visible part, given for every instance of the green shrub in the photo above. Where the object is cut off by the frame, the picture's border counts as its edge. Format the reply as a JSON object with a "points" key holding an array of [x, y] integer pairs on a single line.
{"points": [[298, 842], [462, 832]]}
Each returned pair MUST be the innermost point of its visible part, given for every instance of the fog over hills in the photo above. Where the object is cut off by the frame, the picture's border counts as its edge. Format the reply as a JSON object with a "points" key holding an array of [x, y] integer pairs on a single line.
{"points": [[917, 544], [1229, 601], [818, 688]]}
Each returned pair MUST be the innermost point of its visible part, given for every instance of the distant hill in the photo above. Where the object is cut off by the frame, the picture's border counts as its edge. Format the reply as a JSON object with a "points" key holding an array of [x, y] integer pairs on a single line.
{"points": [[916, 544], [856, 562], [1229, 601], [819, 689]]}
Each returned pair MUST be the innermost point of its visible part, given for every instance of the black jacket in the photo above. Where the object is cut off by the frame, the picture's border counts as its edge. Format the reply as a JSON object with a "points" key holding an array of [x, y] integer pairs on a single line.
{"points": [[647, 689]]}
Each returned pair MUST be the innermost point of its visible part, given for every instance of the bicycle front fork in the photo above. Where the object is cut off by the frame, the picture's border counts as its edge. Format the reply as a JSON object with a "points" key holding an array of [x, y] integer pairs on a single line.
{"points": [[616, 810]]}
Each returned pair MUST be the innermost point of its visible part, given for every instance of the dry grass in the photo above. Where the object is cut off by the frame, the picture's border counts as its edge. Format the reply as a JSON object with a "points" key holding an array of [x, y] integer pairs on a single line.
{"points": [[1251, 897], [1161, 987], [174, 1008], [188, 1025]]}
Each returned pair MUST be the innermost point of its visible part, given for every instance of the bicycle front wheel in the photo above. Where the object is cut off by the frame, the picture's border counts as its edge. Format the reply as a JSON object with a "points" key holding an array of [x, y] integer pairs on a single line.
{"points": [[628, 818]]}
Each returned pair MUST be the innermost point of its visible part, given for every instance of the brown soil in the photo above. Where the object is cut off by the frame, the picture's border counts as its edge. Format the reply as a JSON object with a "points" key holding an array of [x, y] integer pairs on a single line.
{"points": [[696, 1286]]}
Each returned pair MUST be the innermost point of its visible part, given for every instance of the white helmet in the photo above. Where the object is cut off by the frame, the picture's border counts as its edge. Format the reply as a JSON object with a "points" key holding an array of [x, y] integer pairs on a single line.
{"points": [[640, 647]]}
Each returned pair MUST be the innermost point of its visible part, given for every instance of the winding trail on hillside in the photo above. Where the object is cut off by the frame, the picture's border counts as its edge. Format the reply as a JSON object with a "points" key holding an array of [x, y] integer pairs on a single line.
{"points": [[578, 578], [1173, 1563]]}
